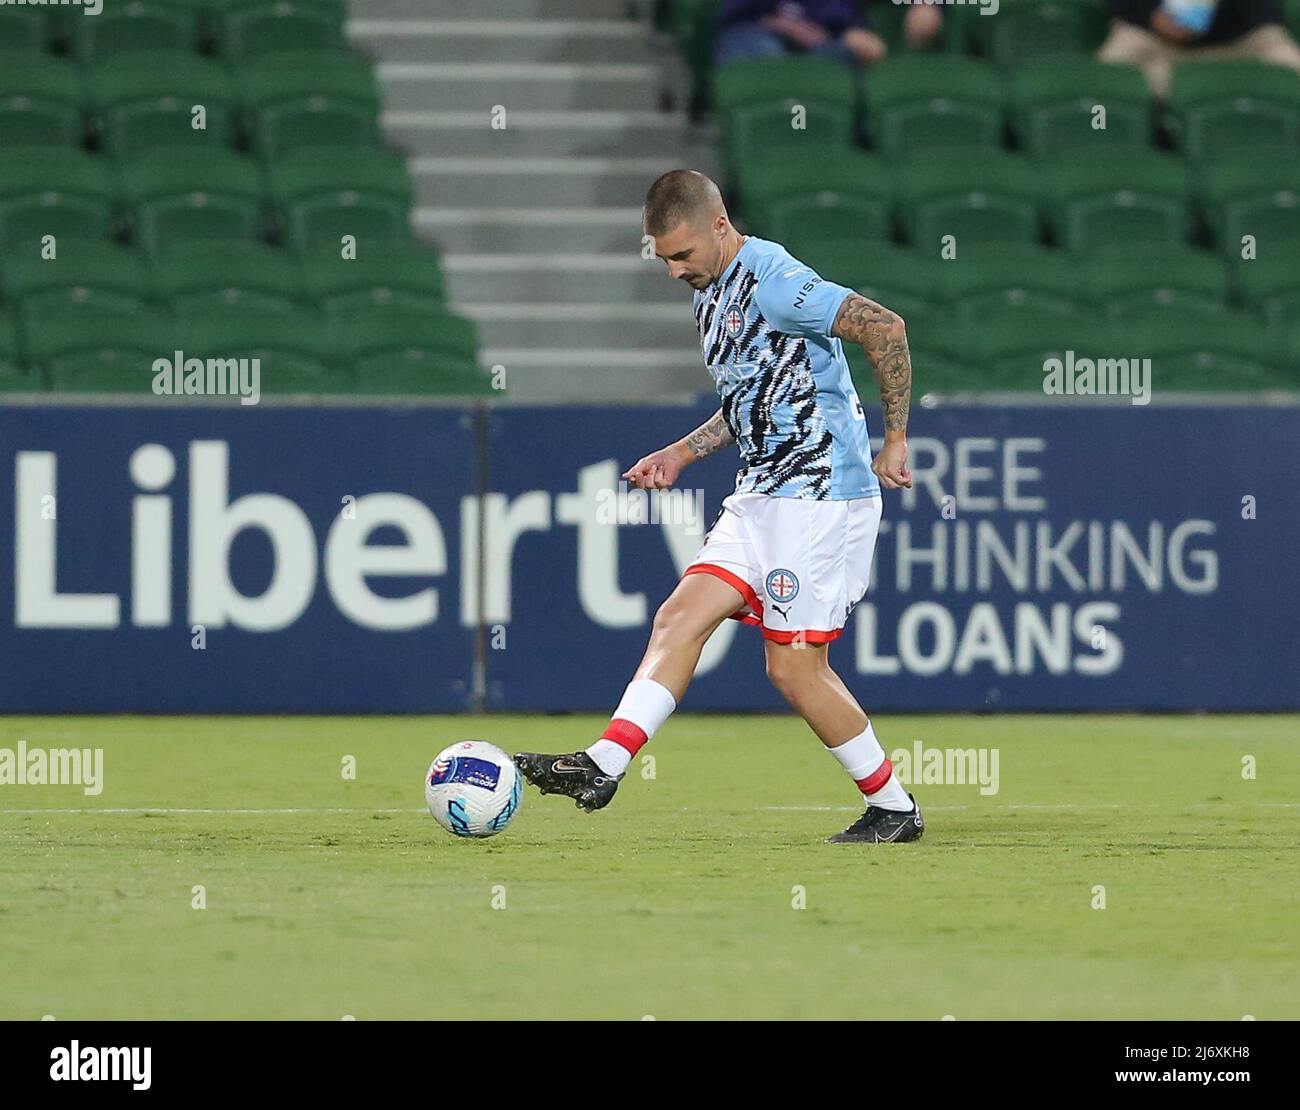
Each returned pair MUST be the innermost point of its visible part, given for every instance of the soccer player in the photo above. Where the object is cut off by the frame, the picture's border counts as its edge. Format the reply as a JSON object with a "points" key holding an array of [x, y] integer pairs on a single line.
{"points": [[791, 550]]}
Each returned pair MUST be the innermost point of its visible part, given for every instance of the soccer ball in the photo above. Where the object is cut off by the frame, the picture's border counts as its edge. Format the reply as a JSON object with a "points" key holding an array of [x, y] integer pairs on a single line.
{"points": [[473, 789]]}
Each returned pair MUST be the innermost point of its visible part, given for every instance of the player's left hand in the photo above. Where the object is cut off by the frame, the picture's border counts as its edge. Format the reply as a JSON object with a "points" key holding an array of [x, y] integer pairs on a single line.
{"points": [[890, 465]]}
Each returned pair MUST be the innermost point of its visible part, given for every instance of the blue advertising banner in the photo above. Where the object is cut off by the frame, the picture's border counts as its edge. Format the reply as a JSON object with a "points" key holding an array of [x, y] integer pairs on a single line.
{"points": [[251, 559], [287, 559], [1089, 557]]}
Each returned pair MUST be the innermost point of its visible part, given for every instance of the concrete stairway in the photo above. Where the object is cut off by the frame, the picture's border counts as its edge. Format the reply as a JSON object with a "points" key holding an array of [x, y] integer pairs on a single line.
{"points": [[539, 221]]}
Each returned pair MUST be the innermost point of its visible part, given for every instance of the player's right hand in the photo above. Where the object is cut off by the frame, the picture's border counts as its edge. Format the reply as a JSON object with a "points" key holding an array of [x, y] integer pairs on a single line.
{"points": [[658, 470]]}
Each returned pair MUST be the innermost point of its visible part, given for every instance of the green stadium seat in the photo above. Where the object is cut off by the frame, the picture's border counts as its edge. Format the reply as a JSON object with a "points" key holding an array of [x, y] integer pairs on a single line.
{"points": [[838, 170], [369, 217], [1044, 304], [27, 171], [763, 133], [135, 26], [313, 121], [841, 261], [203, 273], [1244, 177], [1211, 82], [1054, 99], [1181, 336], [213, 11], [367, 330], [1271, 286], [980, 196], [933, 371], [131, 129], [916, 311], [215, 171], [883, 271], [1273, 221], [1135, 277], [928, 101], [40, 101], [53, 213], [1258, 177], [15, 377], [98, 349], [763, 81], [692, 23], [40, 77], [1221, 131], [248, 31], [157, 75], [399, 272], [187, 216], [1097, 199], [299, 74], [293, 346], [1009, 345], [310, 171], [1218, 371], [825, 218], [1291, 356], [217, 10], [23, 28], [416, 371], [1219, 108], [1023, 29], [1023, 272], [81, 271], [27, 121]]}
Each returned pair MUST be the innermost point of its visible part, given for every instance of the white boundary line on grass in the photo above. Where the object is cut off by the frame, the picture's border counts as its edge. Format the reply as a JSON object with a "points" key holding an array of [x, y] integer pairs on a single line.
{"points": [[684, 809]]}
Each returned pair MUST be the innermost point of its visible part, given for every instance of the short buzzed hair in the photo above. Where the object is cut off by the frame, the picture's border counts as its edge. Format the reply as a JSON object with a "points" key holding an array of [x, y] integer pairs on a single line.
{"points": [[681, 195]]}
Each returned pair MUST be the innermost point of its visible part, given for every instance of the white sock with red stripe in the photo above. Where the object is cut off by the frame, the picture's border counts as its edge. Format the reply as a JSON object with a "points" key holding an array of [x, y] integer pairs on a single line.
{"points": [[645, 706], [864, 759]]}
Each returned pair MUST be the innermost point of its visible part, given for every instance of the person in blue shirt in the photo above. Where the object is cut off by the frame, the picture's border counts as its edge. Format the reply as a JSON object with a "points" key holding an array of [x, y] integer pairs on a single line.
{"points": [[1161, 34], [769, 28], [791, 550]]}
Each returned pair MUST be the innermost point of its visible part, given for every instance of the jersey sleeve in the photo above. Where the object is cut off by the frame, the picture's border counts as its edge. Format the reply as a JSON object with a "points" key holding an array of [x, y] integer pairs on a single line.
{"points": [[794, 299]]}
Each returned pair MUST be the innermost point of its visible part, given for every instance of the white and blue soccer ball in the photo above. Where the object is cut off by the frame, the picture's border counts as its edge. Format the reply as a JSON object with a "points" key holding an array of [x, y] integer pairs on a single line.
{"points": [[473, 789]]}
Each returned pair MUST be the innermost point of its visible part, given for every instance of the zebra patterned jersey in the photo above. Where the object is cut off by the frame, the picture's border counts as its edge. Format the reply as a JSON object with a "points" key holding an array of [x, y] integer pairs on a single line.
{"points": [[787, 394]]}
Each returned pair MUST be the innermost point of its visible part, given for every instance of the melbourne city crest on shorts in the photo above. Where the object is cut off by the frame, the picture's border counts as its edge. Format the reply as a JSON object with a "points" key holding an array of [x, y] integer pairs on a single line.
{"points": [[782, 585], [733, 319]]}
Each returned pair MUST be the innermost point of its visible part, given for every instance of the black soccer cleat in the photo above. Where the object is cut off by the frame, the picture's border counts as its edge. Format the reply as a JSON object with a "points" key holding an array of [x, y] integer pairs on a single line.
{"points": [[575, 776], [883, 826]]}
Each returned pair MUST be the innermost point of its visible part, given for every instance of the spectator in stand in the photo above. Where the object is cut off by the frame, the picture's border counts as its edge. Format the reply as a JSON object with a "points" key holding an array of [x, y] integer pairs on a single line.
{"points": [[922, 21], [768, 28], [1157, 34]]}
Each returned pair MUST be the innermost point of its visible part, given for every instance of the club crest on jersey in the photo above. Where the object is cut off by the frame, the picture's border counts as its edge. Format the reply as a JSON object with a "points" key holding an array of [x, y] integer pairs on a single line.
{"points": [[733, 319], [782, 585]]}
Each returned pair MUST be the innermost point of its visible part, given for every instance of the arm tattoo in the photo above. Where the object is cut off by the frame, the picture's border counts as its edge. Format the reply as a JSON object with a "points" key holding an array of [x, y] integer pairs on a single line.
{"points": [[881, 332], [713, 435]]}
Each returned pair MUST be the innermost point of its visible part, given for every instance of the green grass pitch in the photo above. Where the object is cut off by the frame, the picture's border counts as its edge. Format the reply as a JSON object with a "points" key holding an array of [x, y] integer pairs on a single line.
{"points": [[328, 897]]}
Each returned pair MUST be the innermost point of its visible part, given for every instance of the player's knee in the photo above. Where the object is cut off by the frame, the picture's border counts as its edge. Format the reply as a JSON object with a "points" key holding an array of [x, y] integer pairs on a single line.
{"points": [[674, 623], [787, 667]]}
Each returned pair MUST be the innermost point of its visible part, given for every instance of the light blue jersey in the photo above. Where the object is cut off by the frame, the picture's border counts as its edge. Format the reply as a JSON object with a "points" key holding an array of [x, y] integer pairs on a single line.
{"points": [[787, 395]]}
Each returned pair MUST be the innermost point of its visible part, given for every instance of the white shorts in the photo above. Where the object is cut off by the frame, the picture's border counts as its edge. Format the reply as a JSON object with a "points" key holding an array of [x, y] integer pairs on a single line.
{"points": [[800, 565]]}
